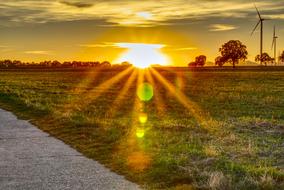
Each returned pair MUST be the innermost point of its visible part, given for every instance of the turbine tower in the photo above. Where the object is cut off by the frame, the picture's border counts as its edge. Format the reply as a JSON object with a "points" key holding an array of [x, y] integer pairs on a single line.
{"points": [[274, 45], [261, 32]]}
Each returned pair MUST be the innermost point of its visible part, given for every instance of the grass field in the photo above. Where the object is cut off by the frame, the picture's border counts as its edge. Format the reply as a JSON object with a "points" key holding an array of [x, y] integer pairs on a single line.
{"points": [[204, 130]]}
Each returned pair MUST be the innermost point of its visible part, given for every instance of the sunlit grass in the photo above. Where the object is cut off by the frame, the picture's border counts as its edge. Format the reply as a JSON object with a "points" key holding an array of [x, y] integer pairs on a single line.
{"points": [[158, 100], [82, 101], [194, 109], [121, 96], [238, 147]]}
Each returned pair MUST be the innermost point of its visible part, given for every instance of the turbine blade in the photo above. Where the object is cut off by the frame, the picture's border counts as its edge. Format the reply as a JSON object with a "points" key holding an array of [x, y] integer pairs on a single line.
{"points": [[257, 12], [273, 42], [255, 27], [274, 32]]}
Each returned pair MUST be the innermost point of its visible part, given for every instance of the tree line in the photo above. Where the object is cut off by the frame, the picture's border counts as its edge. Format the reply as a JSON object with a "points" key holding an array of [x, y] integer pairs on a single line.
{"points": [[66, 64]]}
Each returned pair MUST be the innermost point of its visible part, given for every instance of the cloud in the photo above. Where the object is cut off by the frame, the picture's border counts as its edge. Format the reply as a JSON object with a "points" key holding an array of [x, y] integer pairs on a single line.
{"points": [[120, 45], [139, 45], [4, 48], [126, 44], [278, 16], [129, 12], [102, 45], [185, 49], [77, 4], [222, 27], [145, 15], [38, 52]]}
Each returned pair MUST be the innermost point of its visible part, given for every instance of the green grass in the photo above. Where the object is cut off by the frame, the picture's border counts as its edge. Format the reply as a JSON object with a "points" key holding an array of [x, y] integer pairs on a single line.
{"points": [[238, 145]]}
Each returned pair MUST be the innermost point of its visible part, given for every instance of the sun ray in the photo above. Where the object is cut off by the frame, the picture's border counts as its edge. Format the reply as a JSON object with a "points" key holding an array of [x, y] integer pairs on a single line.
{"points": [[101, 88], [117, 102], [94, 93], [195, 110], [87, 81], [179, 82], [138, 105], [157, 98], [137, 159]]}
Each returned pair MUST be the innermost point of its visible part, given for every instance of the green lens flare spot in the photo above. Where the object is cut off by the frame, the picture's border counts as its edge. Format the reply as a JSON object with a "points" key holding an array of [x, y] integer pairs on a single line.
{"points": [[145, 92]]}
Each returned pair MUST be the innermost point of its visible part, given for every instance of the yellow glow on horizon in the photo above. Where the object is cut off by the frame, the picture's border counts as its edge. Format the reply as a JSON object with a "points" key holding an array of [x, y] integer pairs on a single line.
{"points": [[143, 55]]}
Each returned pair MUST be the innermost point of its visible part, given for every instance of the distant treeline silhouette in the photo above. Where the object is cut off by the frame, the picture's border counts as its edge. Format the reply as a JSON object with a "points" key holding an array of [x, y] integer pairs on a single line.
{"points": [[66, 64]]}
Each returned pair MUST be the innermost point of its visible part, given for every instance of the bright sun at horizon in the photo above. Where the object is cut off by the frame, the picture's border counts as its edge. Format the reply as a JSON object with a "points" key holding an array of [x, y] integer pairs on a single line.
{"points": [[143, 55]]}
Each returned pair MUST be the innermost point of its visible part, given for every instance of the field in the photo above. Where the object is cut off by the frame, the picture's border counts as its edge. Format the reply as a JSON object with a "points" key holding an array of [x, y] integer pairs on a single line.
{"points": [[203, 129]]}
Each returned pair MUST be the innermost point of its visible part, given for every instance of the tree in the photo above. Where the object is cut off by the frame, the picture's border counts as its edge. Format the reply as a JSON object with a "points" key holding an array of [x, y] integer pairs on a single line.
{"points": [[105, 64], [16, 63], [55, 63], [126, 64], [220, 61], [66, 64], [233, 51], [281, 57], [264, 59], [192, 64], [199, 61]]}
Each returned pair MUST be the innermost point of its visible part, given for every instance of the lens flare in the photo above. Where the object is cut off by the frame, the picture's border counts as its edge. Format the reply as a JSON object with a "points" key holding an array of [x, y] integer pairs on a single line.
{"points": [[145, 92], [143, 117], [140, 133], [138, 161], [179, 83]]}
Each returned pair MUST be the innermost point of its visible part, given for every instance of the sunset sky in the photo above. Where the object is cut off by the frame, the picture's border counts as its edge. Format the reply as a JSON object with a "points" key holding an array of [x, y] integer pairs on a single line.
{"points": [[36, 30]]}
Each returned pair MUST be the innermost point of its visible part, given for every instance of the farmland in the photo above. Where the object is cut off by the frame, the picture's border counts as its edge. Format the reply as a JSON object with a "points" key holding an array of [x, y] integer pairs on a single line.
{"points": [[205, 128]]}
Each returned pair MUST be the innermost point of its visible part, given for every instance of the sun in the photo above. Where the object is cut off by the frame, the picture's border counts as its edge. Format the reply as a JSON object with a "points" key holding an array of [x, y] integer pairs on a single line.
{"points": [[142, 55]]}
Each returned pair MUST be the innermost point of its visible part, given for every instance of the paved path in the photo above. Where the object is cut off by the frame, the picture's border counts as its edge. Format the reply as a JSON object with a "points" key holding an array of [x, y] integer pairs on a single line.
{"points": [[32, 160]]}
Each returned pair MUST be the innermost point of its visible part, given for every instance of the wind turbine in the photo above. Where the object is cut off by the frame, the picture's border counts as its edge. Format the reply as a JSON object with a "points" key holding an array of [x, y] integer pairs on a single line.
{"points": [[261, 32], [274, 45]]}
